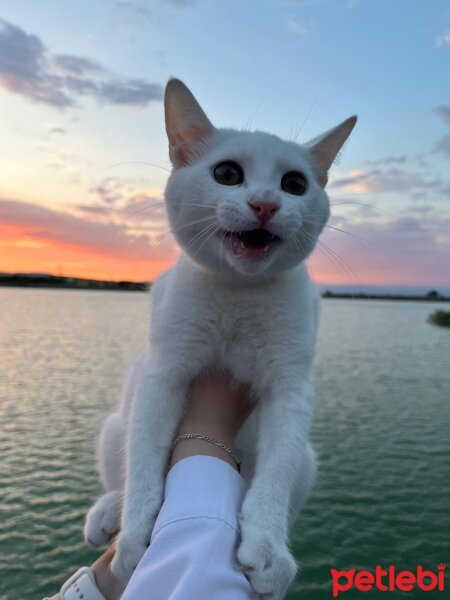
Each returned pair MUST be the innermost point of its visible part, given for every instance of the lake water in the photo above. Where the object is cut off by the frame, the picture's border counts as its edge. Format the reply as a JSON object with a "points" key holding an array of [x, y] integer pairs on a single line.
{"points": [[381, 430]]}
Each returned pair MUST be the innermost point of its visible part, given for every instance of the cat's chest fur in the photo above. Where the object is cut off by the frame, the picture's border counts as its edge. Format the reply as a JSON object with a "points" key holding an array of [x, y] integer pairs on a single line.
{"points": [[242, 328]]}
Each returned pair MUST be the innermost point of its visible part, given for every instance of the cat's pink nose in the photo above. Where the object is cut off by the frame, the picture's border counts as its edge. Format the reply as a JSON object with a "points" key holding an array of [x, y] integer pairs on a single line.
{"points": [[263, 209]]}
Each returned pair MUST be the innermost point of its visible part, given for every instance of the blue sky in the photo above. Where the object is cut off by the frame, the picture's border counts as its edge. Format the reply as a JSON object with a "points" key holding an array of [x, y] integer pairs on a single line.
{"points": [[280, 65]]}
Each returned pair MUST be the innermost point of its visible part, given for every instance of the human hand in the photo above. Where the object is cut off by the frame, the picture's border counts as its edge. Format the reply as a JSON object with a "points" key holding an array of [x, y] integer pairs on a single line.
{"points": [[107, 583]]}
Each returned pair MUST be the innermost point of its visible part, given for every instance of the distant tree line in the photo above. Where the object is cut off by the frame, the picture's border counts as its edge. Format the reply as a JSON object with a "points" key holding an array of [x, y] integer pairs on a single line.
{"points": [[54, 281], [432, 296]]}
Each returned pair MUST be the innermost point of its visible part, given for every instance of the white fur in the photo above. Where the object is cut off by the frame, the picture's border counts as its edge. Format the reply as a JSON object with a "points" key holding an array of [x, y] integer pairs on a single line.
{"points": [[255, 319]]}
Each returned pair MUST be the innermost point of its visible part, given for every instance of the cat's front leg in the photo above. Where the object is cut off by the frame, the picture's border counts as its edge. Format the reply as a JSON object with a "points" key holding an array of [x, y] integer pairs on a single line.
{"points": [[155, 415], [282, 453]]}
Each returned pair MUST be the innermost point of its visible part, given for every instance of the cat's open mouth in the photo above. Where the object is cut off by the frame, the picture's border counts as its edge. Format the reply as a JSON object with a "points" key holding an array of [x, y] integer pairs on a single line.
{"points": [[253, 244]]}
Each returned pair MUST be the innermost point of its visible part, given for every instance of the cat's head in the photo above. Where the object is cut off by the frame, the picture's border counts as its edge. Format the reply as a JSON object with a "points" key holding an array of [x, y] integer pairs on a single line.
{"points": [[241, 201]]}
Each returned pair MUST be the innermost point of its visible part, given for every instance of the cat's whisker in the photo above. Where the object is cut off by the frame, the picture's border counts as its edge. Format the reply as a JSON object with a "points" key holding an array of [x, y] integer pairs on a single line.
{"points": [[152, 243], [308, 114], [200, 205], [252, 116], [156, 241], [159, 205], [137, 162], [183, 203], [302, 250], [348, 195], [361, 204], [199, 234], [300, 246], [172, 231], [310, 270], [215, 229], [330, 257], [364, 241], [292, 129], [347, 269], [198, 237], [222, 239], [223, 246]]}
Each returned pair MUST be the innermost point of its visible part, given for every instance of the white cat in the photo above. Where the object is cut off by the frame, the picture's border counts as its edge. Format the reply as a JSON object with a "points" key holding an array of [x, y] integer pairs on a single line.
{"points": [[246, 209]]}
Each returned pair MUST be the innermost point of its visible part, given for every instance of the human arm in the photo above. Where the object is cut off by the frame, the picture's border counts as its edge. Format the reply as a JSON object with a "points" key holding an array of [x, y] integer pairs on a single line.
{"points": [[218, 409]]}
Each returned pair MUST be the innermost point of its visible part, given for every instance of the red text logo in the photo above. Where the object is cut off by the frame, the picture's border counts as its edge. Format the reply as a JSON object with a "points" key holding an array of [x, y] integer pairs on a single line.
{"points": [[387, 580]]}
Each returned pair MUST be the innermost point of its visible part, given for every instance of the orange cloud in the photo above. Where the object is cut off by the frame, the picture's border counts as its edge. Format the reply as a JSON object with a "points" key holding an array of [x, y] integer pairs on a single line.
{"points": [[40, 240]]}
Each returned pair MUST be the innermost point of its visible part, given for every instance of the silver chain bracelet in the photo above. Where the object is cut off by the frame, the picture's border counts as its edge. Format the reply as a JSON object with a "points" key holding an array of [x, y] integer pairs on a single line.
{"points": [[206, 438]]}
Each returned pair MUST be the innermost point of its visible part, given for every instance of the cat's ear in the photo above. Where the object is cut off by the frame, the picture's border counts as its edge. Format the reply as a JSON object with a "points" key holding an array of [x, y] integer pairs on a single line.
{"points": [[325, 147], [186, 123]]}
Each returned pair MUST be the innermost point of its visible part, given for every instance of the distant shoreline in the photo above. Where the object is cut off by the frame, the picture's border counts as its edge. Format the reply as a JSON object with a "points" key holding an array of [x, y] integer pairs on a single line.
{"points": [[68, 283], [361, 296], [44, 281]]}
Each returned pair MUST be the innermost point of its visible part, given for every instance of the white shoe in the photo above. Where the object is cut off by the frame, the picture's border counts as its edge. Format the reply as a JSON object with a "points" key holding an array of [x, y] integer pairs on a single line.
{"points": [[81, 586]]}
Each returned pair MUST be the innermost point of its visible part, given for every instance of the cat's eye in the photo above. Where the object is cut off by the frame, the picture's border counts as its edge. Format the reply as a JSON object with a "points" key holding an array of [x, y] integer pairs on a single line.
{"points": [[228, 173], [294, 183]]}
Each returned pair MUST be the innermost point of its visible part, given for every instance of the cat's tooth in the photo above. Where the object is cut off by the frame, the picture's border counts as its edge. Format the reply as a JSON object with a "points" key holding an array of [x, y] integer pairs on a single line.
{"points": [[242, 245]]}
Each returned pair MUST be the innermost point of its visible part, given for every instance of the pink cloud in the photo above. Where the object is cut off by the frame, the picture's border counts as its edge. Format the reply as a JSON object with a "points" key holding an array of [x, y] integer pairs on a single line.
{"points": [[107, 237], [406, 250]]}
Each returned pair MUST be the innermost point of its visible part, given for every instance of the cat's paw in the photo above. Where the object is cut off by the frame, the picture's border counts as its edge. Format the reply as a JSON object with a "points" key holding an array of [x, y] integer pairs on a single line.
{"points": [[266, 562], [102, 520], [131, 545]]}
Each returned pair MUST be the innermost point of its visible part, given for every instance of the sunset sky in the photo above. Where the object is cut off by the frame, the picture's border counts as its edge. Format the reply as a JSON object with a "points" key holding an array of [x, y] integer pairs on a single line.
{"points": [[81, 86]]}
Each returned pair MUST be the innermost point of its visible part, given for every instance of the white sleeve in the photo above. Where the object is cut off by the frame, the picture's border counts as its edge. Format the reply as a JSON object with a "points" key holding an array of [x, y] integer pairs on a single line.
{"points": [[192, 553]]}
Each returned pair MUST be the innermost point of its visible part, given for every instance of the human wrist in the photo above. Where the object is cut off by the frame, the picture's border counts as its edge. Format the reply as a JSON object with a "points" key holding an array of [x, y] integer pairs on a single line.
{"points": [[208, 424], [205, 445], [205, 423], [225, 432], [216, 408]]}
